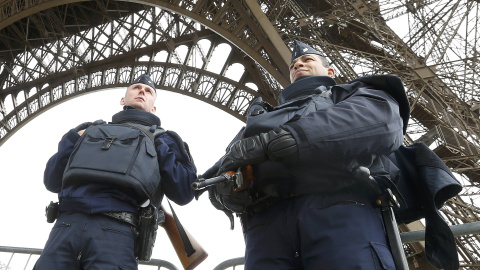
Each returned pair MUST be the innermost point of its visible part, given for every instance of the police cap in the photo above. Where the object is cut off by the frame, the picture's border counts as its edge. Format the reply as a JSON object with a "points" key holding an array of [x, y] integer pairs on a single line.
{"points": [[144, 79], [301, 48]]}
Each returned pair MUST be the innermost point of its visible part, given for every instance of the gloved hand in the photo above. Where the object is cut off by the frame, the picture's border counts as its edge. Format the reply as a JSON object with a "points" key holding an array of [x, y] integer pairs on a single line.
{"points": [[276, 144], [85, 125], [236, 202], [82, 126], [229, 204]]}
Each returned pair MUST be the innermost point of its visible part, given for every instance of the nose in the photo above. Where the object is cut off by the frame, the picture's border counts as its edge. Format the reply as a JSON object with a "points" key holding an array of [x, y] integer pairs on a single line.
{"points": [[298, 64]]}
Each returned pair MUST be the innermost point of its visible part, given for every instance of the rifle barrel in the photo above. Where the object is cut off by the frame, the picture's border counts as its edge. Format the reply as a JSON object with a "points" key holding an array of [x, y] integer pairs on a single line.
{"points": [[200, 184]]}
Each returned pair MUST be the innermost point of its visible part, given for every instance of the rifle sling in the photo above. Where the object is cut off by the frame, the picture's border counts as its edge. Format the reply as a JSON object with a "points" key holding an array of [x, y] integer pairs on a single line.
{"points": [[186, 242]]}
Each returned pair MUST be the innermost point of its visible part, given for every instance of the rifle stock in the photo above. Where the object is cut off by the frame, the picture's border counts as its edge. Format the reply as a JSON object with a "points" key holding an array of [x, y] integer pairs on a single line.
{"points": [[172, 230]]}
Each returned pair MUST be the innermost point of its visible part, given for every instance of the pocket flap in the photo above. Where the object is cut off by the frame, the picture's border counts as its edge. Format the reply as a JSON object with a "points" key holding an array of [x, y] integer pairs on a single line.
{"points": [[121, 133], [384, 255], [150, 147]]}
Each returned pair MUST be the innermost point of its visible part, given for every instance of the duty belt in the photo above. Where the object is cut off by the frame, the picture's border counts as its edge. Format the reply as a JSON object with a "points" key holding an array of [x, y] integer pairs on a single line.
{"points": [[130, 218]]}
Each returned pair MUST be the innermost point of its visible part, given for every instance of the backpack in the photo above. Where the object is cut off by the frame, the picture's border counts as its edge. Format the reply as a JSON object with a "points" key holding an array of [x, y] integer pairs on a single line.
{"points": [[121, 155]]}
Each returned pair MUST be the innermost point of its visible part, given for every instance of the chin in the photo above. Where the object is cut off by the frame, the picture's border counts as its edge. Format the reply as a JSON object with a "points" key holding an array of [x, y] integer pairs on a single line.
{"points": [[143, 109], [139, 105], [301, 78]]}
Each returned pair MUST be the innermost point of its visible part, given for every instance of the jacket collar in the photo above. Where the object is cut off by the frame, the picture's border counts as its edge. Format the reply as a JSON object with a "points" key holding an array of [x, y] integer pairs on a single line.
{"points": [[131, 114], [304, 86]]}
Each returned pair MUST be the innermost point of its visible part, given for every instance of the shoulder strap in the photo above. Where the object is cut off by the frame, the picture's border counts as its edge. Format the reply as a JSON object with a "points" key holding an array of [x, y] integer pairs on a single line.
{"points": [[152, 135], [325, 92], [189, 249], [158, 131]]}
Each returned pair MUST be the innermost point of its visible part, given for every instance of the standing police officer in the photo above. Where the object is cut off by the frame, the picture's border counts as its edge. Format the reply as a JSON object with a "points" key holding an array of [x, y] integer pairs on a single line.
{"points": [[95, 227], [307, 210]]}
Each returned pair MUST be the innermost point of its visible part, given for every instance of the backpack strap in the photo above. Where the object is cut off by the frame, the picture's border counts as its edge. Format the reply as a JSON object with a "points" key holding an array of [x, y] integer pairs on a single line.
{"points": [[151, 134], [158, 131], [323, 91]]}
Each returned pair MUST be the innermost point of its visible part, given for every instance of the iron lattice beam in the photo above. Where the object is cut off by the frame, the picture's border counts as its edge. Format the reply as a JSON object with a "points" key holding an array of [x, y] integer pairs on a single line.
{"points": [[51, 51]]}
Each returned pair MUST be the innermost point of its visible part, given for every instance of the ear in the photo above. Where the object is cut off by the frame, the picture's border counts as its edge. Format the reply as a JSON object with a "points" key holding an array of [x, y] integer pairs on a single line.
{"points": [[153, 110], [122, 101], [331, 72]]}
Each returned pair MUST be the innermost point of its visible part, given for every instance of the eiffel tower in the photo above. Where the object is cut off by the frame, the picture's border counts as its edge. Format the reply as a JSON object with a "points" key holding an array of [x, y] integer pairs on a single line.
{"points": [[53, 51]]}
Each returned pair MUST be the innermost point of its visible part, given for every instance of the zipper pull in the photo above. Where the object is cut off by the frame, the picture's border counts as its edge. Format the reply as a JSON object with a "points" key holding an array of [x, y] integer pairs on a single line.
{"points": [[79, 256]]}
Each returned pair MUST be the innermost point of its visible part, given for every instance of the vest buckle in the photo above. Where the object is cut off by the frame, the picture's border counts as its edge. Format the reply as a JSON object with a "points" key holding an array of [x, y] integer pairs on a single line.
{"points": [[108, 142]]}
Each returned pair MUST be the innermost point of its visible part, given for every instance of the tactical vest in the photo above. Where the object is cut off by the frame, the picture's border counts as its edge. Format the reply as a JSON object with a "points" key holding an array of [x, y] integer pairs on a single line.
{"points": [[121, 155]]}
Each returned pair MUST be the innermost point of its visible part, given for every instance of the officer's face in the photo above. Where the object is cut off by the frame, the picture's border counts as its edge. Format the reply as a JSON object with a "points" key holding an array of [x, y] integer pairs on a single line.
{"points": [[140, 96], [308, 65]]}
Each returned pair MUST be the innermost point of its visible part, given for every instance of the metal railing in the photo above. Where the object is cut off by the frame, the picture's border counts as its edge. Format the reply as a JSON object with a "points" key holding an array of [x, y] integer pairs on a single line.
{"points": [[37, 251], [457, 230], [230, 263], [406, 237]]}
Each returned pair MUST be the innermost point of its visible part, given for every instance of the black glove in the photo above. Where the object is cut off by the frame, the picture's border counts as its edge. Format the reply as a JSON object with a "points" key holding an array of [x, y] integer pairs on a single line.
{"points": [[276, 144], [236, 202], [85, 125], [82, 126], [229, 204], [215, 200]]}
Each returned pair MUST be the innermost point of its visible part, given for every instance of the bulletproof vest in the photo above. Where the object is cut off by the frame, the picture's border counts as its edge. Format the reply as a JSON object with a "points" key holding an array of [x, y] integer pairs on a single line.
{"points": [[120, 155]]}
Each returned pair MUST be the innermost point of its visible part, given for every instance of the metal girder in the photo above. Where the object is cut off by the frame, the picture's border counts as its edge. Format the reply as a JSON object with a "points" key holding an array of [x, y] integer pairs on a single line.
{"points": [[51, 51], [85, 67]]}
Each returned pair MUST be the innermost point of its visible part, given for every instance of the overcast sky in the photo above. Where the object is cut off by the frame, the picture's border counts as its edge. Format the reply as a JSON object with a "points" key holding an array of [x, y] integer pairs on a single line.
{"points": [[23, 196]]}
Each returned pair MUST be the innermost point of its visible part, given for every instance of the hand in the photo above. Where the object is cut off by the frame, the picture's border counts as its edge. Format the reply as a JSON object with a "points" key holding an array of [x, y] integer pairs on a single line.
{"points": [[236, 202], [216, 202], [229, 204], [82, 127], [276, 144]]}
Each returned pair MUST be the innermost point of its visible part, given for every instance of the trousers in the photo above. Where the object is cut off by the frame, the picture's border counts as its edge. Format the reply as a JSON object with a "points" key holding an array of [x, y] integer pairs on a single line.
{"points": [[88, 242], [318, 232]]}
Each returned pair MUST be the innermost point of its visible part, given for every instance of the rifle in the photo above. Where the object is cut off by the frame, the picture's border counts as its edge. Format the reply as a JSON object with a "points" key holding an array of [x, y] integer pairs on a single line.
{"points": [[228, 182], [188, 250]]}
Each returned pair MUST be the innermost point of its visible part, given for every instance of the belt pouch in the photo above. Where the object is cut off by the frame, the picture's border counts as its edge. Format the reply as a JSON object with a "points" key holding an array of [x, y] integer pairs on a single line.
{"points": [[147, 233]]}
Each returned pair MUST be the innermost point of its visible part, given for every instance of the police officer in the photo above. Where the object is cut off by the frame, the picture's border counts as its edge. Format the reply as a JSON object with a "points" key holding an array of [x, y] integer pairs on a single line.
{"points": [[306, 209], [94, 227]]}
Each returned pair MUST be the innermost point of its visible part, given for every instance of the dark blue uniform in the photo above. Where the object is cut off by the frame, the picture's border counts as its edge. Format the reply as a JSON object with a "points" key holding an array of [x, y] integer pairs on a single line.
{"points": [[84, 238], [320, 217]]}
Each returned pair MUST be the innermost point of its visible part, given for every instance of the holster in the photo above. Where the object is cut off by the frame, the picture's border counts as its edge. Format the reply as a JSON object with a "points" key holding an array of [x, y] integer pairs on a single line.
{"points": [[146, 234], [51, 212]]}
